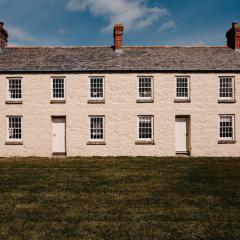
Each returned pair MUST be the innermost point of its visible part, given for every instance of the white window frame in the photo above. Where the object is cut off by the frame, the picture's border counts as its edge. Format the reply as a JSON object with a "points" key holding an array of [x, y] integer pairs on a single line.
{"points": [[8, 135], [93, 139], [152, 129], [188, 82], [96, 98], [233, 88], [64, 85], [8, 88], [138, 87], [233, 127]]}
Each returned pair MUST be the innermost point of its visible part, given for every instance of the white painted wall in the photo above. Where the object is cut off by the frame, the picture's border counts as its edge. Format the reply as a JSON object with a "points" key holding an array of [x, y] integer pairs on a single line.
{"points": [[120, 110]]}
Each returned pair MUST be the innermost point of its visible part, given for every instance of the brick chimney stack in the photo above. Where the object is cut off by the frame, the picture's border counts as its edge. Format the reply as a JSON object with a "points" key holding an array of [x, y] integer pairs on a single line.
{"points": [[233, 36], [118, 36], [3, 36]]}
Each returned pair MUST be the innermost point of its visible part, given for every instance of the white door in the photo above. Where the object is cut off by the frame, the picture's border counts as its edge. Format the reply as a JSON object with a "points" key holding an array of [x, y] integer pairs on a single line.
{"points": [[58, 141], [181, 135]]}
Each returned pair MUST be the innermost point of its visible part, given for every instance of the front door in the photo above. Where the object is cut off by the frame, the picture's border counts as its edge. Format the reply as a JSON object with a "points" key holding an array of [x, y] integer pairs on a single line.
{"points": [[58, 138], [181, 134]]}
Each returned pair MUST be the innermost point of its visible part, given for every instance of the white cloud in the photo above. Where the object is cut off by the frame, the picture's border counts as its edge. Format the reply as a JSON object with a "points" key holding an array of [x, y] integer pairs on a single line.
{"points": [[19, 35], [167, 25], [133, 14]]}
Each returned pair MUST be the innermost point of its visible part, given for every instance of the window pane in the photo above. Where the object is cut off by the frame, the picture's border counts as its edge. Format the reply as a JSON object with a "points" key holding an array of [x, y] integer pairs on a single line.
{"points": [[226, 130], [226, 87], [96, 87], [97, 128], [145, 127], [58, 88], [182, 87], [145, 87], [14, 128], [15, 89]]}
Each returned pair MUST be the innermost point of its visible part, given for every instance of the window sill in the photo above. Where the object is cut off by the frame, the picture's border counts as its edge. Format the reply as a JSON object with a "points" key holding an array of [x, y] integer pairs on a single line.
{"points": [[227, 141], [59, 153], [182, 100], [96, 101], [56, 101], [145, 100], [13, 102], [142, 142], [96, 143], [14, 143], [182, 153], [226, 101]]}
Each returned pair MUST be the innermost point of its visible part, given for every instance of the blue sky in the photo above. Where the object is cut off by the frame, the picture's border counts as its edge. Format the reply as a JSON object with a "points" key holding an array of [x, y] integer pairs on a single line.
{"points": [[90, 22]]}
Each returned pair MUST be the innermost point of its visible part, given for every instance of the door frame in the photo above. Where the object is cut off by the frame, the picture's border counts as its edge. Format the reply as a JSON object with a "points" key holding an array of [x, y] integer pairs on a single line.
{"points": [[65, 140], [188, 137]]}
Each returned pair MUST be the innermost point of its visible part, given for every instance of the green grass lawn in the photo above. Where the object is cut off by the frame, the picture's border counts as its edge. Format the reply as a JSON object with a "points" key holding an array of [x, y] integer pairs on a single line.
{"points": [[120, 198]]}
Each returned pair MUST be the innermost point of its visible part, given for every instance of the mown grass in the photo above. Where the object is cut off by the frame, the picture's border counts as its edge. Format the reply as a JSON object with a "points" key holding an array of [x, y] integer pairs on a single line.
{"points": [[120, 198]]}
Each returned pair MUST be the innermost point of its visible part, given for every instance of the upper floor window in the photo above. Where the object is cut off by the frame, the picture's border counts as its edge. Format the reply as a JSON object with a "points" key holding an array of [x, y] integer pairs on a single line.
{"points": [[58, 88], [182, 88], [14, 89], [145, 88], [15, 128], [226, 127], [226, 88], [145, 128], [97, 88]]}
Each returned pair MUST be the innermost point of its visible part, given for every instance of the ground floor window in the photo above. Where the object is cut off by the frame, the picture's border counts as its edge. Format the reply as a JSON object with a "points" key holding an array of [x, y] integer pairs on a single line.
{"points": [[145, 127], [14, 128], [226, 127], [97, 128]]}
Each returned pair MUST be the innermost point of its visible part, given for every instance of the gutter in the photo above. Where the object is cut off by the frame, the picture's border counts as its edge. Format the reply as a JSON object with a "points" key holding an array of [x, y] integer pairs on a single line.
{"points": [[113, 71]]}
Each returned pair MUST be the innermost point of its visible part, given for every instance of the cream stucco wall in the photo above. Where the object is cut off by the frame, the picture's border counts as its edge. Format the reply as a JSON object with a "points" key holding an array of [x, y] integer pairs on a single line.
{"points": [[120, 110]]}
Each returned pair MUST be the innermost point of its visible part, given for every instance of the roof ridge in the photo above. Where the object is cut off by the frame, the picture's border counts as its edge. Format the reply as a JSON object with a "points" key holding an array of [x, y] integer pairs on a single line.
{"points": [[56, 46], [175, 47], [69, 47]]}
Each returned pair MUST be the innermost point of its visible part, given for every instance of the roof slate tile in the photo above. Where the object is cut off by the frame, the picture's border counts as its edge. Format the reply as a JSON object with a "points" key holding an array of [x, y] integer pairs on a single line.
{"points": [[94, 59]]}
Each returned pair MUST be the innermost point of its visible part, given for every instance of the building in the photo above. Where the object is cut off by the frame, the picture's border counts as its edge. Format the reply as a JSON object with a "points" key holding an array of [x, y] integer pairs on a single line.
{"points": [[120, 101]]}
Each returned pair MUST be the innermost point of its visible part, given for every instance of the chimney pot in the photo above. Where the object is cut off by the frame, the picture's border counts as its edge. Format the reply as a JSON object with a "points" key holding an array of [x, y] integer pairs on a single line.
{"points": [[118, 36], [234, 23]]}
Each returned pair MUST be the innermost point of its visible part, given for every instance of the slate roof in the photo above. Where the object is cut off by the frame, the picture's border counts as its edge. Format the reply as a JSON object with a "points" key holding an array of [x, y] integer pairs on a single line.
{"points": [[131, 59]]}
